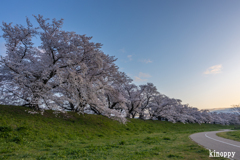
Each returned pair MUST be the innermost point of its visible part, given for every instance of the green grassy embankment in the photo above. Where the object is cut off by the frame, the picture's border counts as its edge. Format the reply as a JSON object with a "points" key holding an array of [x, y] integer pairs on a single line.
{"points": [[234, 135], [73, 136]]}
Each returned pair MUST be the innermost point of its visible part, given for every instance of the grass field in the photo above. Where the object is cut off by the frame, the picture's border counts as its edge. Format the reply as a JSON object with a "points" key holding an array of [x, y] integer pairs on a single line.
{"points": [[234, 135], [72, 136]]}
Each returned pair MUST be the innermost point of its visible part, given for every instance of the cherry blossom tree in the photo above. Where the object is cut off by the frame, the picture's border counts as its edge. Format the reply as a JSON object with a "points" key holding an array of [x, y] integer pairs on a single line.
{"points": [[66, 70], [132, 94], [163, 108], [21, 81], [147, 93], [69, 72]]}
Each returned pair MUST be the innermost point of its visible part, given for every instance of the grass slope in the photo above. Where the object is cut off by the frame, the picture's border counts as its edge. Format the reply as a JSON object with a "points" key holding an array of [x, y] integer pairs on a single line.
{"points": [[234, 135], [73, 136]]}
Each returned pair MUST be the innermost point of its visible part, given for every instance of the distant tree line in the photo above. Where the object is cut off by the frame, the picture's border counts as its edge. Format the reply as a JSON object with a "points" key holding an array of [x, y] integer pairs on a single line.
{"points": [[68, 72]]}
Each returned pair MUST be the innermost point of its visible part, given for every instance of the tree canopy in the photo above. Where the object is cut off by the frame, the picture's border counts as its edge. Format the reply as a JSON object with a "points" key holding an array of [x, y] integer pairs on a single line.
{"points": [[70, 72]]}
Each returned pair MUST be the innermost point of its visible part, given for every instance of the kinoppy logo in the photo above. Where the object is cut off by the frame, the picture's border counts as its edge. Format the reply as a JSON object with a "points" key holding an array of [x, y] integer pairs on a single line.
{"points": [[221, 154]]}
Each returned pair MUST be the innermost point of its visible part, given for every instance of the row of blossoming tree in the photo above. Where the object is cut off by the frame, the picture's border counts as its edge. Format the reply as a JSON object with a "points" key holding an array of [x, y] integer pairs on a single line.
{"points": [[68, 72]]}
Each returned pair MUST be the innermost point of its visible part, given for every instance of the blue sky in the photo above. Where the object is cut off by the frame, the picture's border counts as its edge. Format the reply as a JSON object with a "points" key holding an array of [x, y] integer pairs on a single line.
{"points": [[189, 49]]}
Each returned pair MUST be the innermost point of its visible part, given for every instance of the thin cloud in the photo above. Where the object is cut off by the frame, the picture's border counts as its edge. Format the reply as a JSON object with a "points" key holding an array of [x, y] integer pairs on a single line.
{"points": [[129, 57], [138, 79], [142, 77], [214, 69], [128, 74], [121, 68], [146, 61], [122, 50]]}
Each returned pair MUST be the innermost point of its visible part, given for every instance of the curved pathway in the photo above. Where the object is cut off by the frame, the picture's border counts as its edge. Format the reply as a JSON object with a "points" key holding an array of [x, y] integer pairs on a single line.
{"points": [[211, 141]]}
